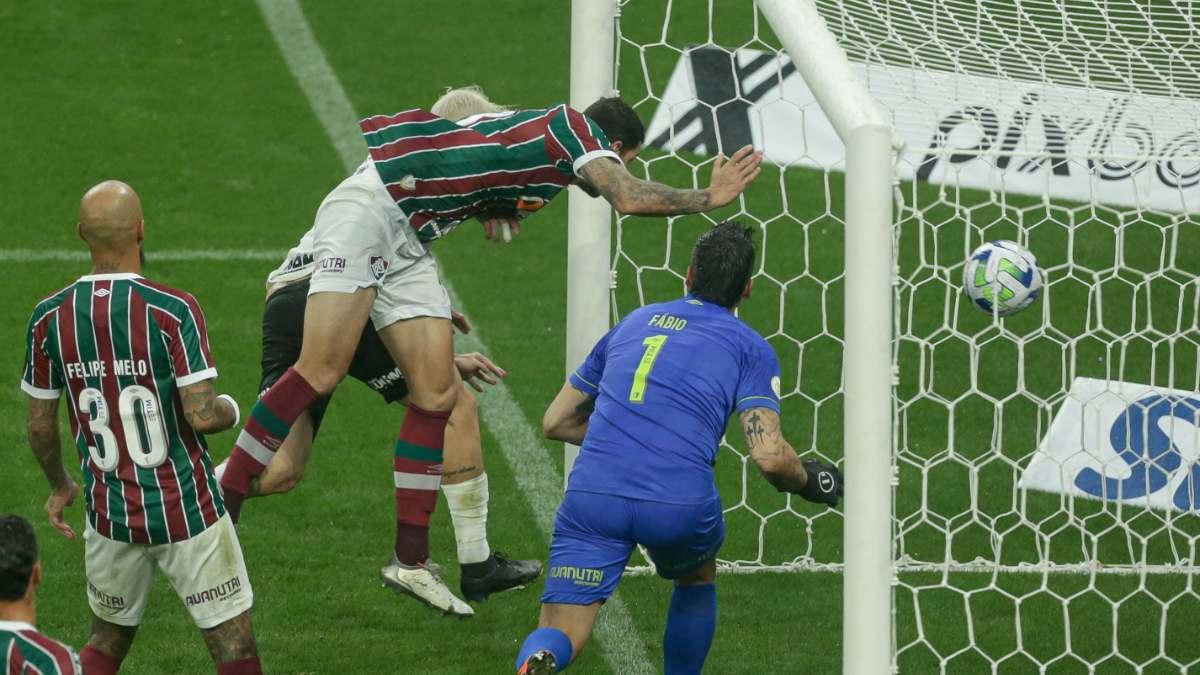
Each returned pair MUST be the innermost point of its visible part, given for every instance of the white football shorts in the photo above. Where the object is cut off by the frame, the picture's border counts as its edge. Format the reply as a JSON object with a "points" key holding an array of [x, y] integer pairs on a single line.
{"points": [[361, 239], [411, 288], [207, 571], [352, 237]]}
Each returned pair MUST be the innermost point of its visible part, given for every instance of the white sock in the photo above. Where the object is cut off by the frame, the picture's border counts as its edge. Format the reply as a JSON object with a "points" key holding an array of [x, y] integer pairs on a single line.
{"points": [[468, 511]]}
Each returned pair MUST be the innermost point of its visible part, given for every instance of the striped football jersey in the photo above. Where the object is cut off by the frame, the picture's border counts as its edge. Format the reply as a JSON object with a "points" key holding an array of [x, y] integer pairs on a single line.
{"points": [[24, 651], [121, 346], [440, 172]]}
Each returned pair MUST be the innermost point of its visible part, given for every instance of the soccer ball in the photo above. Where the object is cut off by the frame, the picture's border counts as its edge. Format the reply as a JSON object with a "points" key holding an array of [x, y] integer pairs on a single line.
{"points": [[1002, 277]]}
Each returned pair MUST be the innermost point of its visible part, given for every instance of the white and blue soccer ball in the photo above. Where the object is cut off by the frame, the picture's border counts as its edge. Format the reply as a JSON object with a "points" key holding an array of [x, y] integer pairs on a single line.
{"points": [[1002, 278]]}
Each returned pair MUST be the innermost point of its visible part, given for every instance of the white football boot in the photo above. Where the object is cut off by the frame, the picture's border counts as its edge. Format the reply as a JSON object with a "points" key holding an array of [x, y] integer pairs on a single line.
{"points": [[421, 583]]}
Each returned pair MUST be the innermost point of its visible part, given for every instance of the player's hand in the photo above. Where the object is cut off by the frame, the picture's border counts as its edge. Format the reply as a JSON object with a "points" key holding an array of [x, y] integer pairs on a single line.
{"points": [[60, 498], [730, 178], [824, 484], [476, 368], [460, 321], [500, 228]]}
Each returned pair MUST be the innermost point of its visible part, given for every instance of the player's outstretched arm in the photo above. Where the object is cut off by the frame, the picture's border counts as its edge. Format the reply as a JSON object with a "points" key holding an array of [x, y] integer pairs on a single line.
{"points": [[815, 481], [567, 417], [42, 429], [633, 196], [205, 410]]}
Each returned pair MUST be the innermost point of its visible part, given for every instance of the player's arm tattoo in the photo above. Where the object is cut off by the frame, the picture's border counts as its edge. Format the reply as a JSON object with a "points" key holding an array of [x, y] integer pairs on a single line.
{"points": [[753, 428], [202, 410], [584, 410], [566, 418], [772, 453], [42, 429], [232, 640], [631, 195]]}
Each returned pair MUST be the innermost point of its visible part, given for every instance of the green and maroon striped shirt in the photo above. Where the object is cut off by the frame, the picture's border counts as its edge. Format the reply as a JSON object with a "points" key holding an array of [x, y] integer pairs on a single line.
{"points": [[121, 346], [25, 651], [441, 173]]}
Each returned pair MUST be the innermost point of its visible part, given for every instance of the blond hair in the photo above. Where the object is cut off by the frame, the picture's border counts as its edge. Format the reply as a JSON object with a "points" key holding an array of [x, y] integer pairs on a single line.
{"points": [[461, 102]]}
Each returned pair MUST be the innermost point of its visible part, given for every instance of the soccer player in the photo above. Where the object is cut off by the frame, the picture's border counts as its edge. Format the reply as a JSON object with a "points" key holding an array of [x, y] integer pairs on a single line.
{"points": [[649, 406], [23, 650], [133, 358], [371, 260], [464, 484]]}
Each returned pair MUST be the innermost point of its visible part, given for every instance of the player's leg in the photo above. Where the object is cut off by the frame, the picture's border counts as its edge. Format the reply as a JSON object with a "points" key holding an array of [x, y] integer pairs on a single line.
{"points": [[350, 235], [465, 485], [591, 544], [286, 468], [208, 573], [691, 621], [332, 323], [412, 318], [464, 481], [563, 631], [119, 578], [683, 541], [232, 647], [282, 337], [107, 647]]}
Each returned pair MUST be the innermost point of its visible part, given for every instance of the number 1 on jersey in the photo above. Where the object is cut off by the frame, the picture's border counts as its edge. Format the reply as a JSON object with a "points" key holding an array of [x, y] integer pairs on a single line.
{"points": [[654, 345]]}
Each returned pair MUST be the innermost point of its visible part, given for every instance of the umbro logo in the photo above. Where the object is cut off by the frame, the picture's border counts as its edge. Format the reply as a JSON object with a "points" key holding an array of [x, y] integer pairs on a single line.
{"points": [[101, 292]]}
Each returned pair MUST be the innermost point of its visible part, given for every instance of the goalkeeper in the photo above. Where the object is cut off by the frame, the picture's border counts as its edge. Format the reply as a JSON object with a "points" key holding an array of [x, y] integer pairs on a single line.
{"points": [[649, 406]]}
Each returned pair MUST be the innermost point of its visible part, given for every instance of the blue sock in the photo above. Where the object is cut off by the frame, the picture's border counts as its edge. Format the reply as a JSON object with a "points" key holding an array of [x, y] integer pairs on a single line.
{"points": [[551, 639], [691, 622]]}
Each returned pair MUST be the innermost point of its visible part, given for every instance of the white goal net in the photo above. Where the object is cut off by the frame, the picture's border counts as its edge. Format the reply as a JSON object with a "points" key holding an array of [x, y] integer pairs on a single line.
{"points": [[1047, 465]]}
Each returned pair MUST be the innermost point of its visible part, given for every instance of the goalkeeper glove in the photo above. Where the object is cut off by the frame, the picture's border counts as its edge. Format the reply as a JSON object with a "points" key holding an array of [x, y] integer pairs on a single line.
{"points": [[824, 484]]}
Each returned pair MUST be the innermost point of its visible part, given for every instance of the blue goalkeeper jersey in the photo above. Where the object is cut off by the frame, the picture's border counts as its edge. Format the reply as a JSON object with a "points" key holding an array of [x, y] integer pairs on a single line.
{"points": [[666, 379]]}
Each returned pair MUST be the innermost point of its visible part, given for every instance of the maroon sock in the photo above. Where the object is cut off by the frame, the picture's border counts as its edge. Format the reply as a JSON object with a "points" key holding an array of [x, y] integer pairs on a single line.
{"points": [[269, 422], [249, 666], [96, 662], [418, 473]]}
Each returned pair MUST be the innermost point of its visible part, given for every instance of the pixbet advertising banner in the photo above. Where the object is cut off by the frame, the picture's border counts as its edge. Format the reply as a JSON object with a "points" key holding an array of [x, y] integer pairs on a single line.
{"points": [[1070, 143], [1119, 441]]}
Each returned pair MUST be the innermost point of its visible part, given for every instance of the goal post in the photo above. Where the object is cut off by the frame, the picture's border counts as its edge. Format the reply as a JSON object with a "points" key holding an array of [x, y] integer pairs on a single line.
{"points": [[1024, 491], [867, 370], [867, 357], [589, 221], [868, 296]]}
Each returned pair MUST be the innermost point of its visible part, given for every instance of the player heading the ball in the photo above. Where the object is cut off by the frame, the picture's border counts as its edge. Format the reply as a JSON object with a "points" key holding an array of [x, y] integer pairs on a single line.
{"points": [[649, 406], [370, 241]]}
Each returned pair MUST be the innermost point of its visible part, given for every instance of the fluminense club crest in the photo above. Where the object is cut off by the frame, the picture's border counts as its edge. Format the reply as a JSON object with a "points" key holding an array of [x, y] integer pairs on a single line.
{"points": [[379, 266]]}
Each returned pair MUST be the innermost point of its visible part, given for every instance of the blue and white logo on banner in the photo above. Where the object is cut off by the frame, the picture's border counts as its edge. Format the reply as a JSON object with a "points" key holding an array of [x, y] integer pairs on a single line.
{"points": [[1118, 441]]}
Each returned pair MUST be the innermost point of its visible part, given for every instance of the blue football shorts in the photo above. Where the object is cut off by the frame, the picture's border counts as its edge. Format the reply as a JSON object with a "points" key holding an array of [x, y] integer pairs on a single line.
{"points": [[594, 535]]}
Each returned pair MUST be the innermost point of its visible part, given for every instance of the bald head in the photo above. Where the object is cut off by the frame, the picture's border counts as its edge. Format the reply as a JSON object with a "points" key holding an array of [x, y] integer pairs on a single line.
{"points": [[110, 218]]}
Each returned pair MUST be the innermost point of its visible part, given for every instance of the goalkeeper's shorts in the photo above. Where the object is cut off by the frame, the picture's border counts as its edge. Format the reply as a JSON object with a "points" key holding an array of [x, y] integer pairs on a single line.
{"points": [[594, 535]]}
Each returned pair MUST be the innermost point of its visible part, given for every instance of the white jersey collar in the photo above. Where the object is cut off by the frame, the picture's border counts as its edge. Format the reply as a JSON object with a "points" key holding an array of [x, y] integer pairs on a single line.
{"points": [[111, 276], [14, 626]]}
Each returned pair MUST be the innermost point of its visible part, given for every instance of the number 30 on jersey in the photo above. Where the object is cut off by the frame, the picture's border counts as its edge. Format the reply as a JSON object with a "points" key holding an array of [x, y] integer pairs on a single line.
{"points": [[148, 453]]}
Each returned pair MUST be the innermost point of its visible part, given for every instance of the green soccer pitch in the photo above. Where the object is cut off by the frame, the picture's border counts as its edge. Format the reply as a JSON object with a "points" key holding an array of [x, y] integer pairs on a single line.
{"points": [[196, 108]]}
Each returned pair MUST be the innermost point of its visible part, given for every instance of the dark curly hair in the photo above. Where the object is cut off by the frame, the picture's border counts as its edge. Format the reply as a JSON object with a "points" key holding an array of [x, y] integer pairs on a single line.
{"points": [[723, 262]]}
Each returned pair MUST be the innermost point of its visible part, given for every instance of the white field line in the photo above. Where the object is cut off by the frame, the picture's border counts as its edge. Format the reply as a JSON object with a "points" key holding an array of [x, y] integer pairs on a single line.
{"points": [[620, 643], [31, 255]]}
